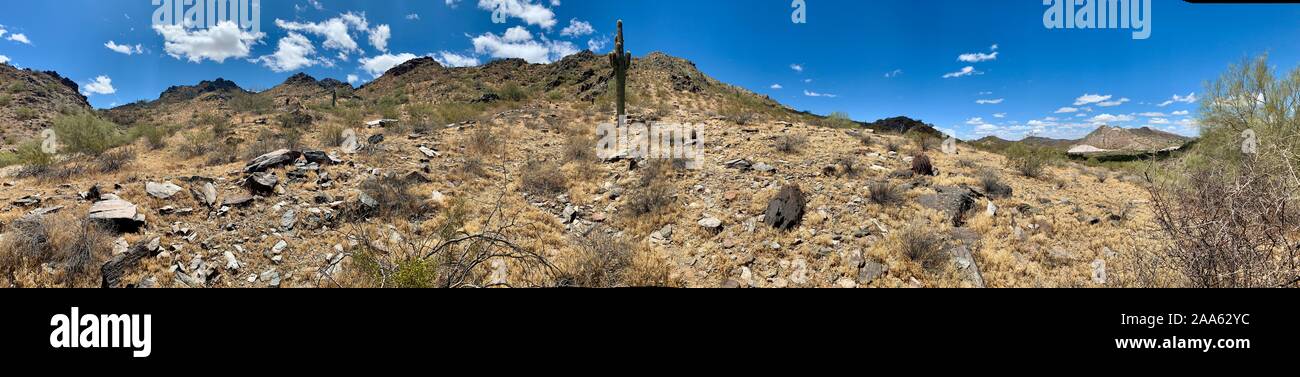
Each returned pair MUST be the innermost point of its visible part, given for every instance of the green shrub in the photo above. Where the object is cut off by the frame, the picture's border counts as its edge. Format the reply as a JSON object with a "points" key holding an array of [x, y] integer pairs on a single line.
{"points": [[251, 103], [27, 154], [5, 99], [838, 119], [1029, 161], [513, 93], [87, 134], [459, 113], [23, 113]]}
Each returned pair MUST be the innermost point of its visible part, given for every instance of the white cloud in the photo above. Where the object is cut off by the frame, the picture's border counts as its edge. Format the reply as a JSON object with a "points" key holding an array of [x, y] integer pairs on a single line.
{"points": [[20, 38], [379, 37], [377, 65], [797, 67], [577, 28], [1181, 112], [218, 43], [124, 49], [526, 10], [337, 30], [1158, 121], [977, 57], [100, 85], [413, 17], [352, 79], [293, 52], [1088, 99], [518, 43], [3, 31], [597, 44], [777, 86], [316, 4], [994, 47], [893, 74], [1114, 103], [975, 121], [989, 101], [1152, 114], [807, 81], [1065, 110], [1000, 115], [453, 3], [451, 59], [965, 71], [1190, 98], [815, 94], [1108, 119], [4, 59]]}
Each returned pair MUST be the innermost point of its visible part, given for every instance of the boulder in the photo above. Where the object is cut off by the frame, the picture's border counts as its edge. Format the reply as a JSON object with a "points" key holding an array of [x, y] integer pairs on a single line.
{"points": [[118, 214], [238, 200], [161, 190], [320, 157], [954, 201], [271, 160], [711, 224], [262, 182], [205, 193], [350, 144], [786, 210], [428, 152]]}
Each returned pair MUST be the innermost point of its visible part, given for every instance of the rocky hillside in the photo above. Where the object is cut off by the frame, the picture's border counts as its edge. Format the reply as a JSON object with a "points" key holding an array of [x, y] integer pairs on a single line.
{"points": [[508, 192], [1115, 139], [30, 100]]}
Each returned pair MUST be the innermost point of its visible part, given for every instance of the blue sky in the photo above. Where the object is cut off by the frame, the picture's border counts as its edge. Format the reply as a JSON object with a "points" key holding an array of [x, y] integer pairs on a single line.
{"points": [[871, 59]]}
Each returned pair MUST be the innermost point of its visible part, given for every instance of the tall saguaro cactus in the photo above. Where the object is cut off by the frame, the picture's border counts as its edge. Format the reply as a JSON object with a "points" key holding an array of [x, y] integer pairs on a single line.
{"points": [[621, 61]]}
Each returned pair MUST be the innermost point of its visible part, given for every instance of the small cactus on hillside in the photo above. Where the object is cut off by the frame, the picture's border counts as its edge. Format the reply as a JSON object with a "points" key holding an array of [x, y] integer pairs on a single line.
{"points": [[921, 165]]}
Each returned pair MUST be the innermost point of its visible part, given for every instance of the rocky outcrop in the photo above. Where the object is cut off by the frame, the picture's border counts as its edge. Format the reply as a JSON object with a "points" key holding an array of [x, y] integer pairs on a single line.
{"points": [[786, 210]]}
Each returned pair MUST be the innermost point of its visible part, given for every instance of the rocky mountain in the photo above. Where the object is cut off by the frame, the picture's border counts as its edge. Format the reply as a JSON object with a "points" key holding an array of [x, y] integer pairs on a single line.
{"points": [[995, 143], [30, 100], [302, 88], [1114, 139], [904, 125]]}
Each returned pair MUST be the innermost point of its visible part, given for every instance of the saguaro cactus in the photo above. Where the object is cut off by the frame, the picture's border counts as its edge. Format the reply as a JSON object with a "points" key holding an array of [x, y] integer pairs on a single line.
{"points": [[621, 61], [334, 98]]}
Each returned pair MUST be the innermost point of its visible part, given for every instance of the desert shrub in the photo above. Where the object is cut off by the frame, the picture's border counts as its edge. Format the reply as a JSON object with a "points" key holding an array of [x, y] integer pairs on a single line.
{"points": [[884, 192], [892, 145], [1230, 215], [268, 141], [992, 184], [968, 163], [483, 140], [922, 245], [17, 86], [251, 103], [1029, 161], [921, 165], [838, 119], [737, 113], [513, 92], [113, 160], [790, 143], [579, 148], [331, 135], [87, 134], [543, 179], [218, 124], [24, 113], [603, 261], [452, 113], [196, 143], [5, 99], [155, 136], [65, 243], [28, 154], [848, 167], [650, 198], [923, 142], [396, 198]]}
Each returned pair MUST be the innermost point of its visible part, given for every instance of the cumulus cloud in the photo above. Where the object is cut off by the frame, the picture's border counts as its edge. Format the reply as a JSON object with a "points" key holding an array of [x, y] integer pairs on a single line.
{"points": [[597, 44], [893, 74], [1181, 112], [379, 37], [1114, 103], [1152, 114], [1065, 110], [577, 28], [1088, 99], [531, 13], [977, 57], [413, 17], [517, 42], [1109, 119], [352, 79], [777, 86], [294, 52], [377, 65], [218, 43], [20, 38], [124, 49], [451, 59], [797, 67], [100, 85], [965, 71], [4, 59], [337, 31], [1190, 98], [989, 101], [1000, 115], [1158, 121], [810, 93]]}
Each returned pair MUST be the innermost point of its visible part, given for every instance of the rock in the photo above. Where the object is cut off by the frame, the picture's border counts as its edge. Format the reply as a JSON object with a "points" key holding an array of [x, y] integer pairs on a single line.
{"points": [[272, 278], [238, 200], [870, 271], [279, 247], [741, 164], [711, 224], [381, 123], [429, 153], [28, 201], [45, 211], [288, 220], [271, 160], [232, 264], [438, 199], [799, 274], [730, 284], [375, 139], [262, 182], [350, 144], [764, 168], [205, 193], [1059, 257], [118, 214], [966, 266], [120, 246], [320, 157], [161, 190], [846, 283], [366, 201], [570, 214], [955, 201], [992, 210], [786, 210], [1099, 271]]}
